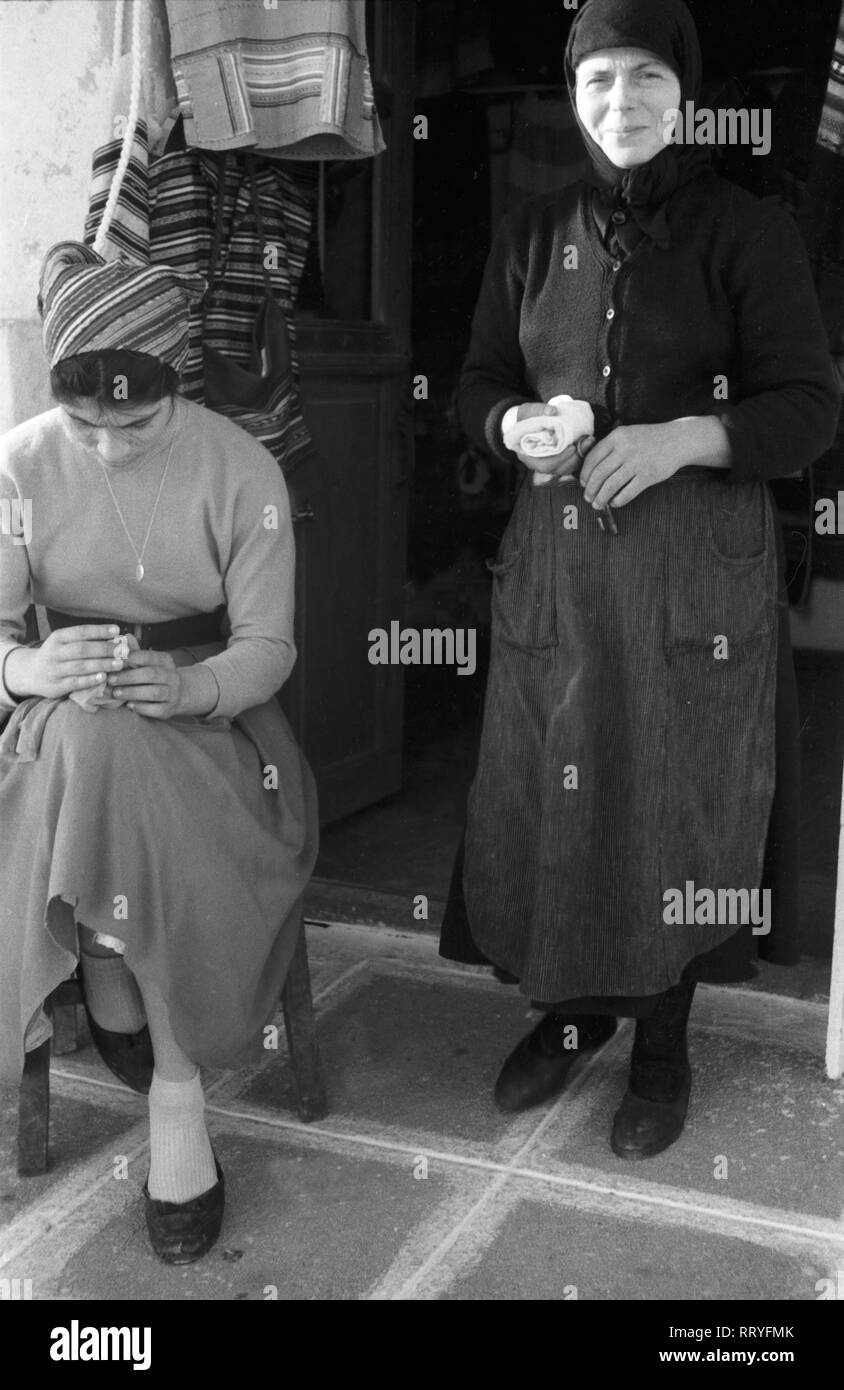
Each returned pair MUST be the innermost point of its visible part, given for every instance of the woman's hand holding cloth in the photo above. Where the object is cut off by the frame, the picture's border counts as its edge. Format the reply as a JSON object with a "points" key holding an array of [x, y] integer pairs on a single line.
{"points": [[97, 697], [544, 436]]}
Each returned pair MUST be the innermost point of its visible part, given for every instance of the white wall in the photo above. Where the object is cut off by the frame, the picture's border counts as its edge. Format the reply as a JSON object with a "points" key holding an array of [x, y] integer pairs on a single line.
{"points": [[55, 82]]}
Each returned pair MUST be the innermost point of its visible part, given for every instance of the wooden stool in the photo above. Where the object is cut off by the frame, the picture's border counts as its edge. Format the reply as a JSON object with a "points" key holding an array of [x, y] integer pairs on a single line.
{"points": [[34, 1103]]}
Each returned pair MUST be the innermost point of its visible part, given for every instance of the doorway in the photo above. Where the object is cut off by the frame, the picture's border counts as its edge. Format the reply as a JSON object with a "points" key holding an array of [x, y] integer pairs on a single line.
{"points": [[498, 128]]}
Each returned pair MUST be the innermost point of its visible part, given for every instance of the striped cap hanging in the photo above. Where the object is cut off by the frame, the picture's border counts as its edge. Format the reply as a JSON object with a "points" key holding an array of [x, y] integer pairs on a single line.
{"points": [[88, 305]]}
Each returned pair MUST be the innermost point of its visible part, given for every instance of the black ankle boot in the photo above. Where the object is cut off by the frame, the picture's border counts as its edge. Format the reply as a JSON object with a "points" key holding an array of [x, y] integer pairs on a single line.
{"points": [[539, 1065], [653, 1112]]}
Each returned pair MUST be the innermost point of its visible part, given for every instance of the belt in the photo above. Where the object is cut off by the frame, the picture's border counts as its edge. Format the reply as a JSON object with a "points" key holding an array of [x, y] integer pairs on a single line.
{"points": [[192, 631]]}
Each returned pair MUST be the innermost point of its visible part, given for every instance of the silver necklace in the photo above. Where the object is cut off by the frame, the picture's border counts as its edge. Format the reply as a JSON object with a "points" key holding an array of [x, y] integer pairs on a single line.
{"points": [[139, 569]]}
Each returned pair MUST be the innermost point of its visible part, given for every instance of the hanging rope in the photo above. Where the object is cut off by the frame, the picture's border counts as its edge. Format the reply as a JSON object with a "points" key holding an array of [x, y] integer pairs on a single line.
{"points": [[139, 30], [117, 40]]}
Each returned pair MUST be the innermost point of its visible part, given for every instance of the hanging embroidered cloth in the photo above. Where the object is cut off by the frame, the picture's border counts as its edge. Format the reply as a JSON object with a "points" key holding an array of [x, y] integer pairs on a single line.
{"points": [[831, 129], [822, 215], [166, 214], [290, 78]]}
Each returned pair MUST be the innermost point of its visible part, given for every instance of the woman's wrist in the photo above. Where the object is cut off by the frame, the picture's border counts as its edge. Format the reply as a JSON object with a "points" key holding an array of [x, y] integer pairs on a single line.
{"points": [[199, 692], [705, 442], [14, 675]]}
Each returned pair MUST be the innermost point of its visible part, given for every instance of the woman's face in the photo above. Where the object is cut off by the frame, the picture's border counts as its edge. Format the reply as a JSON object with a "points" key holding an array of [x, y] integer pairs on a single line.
{"points": [[622, 95], [117, 435]]}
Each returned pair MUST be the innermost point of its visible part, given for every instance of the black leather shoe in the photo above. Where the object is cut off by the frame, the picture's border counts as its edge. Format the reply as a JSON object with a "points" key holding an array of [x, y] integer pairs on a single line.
{"points": [[533, 1073], [181, 1232], [643, 1127], [128, 1055]]}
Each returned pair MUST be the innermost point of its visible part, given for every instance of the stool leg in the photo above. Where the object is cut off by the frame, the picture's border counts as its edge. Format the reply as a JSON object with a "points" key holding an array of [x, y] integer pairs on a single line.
{"points": [[65, 998], [299, 1025], [34, 1112], [64, 1029]]}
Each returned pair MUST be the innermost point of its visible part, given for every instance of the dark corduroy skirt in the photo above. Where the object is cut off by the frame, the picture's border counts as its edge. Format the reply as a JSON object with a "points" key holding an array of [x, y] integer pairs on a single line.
{"points": [[627, 748]]}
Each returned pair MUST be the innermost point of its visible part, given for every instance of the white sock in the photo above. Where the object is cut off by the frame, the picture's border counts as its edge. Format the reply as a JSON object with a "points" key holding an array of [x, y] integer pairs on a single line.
{"points": [[112, 994], [181, 1161]]}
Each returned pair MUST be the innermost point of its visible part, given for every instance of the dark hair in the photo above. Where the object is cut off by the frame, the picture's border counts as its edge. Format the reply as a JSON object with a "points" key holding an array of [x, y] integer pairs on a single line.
{"points": [[94, 375]]}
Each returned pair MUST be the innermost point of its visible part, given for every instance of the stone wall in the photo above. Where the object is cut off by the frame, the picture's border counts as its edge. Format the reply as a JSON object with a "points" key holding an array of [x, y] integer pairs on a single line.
{"points": [[55, 83]]}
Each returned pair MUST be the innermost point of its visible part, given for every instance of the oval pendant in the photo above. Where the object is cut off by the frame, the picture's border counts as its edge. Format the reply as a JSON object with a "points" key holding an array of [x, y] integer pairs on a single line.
{"points": [[139, 572]]}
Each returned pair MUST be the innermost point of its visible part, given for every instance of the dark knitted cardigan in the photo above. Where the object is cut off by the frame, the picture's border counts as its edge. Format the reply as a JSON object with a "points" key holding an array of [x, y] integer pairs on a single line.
{"points": [[652, 337]]}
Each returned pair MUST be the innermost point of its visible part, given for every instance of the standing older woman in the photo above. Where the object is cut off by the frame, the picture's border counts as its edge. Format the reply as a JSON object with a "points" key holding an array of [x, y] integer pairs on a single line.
{"points": [[141, 824], [639, 712]]}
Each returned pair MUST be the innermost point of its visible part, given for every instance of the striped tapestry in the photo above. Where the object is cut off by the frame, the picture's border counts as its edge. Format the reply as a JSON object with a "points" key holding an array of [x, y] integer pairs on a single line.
{"points": [[291, 78], [821, 217], [166, 215], [831, 129]]}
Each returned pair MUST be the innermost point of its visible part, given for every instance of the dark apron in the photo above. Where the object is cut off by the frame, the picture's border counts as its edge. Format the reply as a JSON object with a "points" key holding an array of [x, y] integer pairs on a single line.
{"points": [[605, 672]]}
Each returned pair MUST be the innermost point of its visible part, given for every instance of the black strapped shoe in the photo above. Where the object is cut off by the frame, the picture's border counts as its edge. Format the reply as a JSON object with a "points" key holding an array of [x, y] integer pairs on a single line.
{"points": [[181, 1232], [653, 1112], [539, 1066], [128, 1055]]}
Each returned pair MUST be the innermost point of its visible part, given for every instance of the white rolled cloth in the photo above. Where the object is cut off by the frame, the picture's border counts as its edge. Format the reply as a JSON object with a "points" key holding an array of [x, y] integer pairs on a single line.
{"points": [[543, 436]]}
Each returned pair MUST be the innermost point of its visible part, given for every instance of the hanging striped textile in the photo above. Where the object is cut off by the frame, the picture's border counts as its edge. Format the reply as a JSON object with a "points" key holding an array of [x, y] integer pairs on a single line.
{"points": [[128, 235], [165, 215], [290, 77], [821, 217], [831, 129]]}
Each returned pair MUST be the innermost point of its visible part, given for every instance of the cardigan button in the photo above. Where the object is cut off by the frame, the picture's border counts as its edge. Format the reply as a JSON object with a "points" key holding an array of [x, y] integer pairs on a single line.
{"points": [[616, 265], [610, 313], [619, 218], [606, 371]]}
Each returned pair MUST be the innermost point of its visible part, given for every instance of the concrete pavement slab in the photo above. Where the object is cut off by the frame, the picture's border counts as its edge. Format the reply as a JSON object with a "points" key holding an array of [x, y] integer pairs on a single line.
{"points": [[414, 1053], [765, 1126], [544, 1249], [81, 1123], [303, 1221]]}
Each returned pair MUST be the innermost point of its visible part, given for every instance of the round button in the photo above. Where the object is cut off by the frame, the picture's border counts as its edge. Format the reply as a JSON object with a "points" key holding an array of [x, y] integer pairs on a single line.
{"points": [[610, 313], [607, 371], [619, 218], [616, 265]]}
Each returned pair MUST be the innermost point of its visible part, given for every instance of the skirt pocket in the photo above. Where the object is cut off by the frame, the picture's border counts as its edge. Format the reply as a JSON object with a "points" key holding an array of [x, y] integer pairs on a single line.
{"points": [[738, 521], [523, 577], [721, 569]]}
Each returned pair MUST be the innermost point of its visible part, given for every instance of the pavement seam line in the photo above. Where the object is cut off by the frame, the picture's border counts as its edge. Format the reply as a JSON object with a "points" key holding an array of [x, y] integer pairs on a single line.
{"points": [[360, 967], [437, 1256], [832, 1231], [485, 1235], [53, 1210], [116, 1086]]}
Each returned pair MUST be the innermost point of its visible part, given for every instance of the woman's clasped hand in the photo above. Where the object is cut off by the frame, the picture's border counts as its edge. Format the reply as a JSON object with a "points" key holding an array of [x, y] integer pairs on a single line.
{"points": [[629, 459], [617, 468], [81, 662], [554, 466], [70, 659], [150, 683]]}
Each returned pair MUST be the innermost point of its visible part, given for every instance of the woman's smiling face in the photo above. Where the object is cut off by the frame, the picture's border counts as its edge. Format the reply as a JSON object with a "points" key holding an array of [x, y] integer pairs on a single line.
{"points": [[622, 96]]}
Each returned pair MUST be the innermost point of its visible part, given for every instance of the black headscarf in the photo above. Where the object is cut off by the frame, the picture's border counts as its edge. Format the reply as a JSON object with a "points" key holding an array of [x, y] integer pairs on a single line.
{"points": [[665, 28]]}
